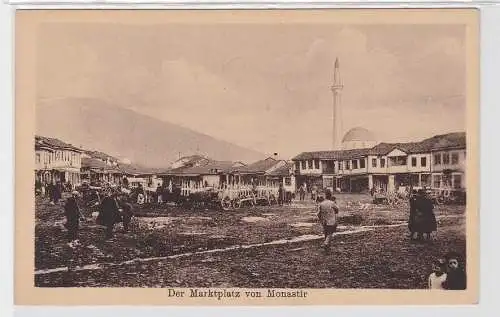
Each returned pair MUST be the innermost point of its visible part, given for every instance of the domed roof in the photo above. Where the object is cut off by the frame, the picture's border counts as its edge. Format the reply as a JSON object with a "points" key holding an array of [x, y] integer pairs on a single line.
{"points": [[358, 134]]}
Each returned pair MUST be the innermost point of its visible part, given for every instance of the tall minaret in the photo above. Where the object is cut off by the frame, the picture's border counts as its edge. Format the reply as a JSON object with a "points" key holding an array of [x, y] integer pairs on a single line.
{"points": [[337, 111]]}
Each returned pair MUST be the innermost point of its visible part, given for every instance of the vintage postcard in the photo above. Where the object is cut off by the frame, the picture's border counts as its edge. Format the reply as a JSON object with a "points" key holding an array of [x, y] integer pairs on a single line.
{"points": [[247, 157]]}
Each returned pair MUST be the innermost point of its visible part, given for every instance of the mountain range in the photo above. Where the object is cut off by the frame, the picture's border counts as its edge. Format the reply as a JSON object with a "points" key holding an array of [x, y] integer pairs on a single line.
{"points": [[96, 125]]}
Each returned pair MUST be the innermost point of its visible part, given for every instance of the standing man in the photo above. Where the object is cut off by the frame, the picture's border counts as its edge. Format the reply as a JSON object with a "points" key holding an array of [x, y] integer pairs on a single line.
{"points": [[302, 191], [314, 192], [328, 211], [127, 212], [57, 192], [159, 194], [281, 194]]}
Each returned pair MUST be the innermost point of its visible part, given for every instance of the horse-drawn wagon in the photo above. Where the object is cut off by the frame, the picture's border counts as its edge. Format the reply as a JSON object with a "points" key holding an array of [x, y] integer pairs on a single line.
{"points": [[234, 198]]}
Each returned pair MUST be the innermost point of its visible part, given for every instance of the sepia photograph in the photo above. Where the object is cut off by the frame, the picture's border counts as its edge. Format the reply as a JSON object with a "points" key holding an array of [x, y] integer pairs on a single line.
{"points": [[246, 155]]}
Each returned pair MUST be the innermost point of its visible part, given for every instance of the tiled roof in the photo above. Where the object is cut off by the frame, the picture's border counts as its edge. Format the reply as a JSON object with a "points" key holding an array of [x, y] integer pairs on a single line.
{"points": [[204, 167], [133, 169], [88, 162], [258, 167], [190, 160], [325, 155], [332, 155], [281, 171], [212, 167], [54, 143], [101, 156], [353, 154], [438, 142], [447, 141]]}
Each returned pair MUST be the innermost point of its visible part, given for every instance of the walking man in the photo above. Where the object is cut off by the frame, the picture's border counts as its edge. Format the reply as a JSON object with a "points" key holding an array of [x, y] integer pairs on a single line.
{"points": [[328, 211]]}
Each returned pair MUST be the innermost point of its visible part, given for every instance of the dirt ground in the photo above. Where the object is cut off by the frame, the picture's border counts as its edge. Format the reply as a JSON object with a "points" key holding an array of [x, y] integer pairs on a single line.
{"points": [[215, 248]]}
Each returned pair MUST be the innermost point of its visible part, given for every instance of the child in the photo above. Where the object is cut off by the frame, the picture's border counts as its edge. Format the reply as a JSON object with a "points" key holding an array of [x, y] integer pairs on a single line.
{"points": [[438, 276], [457, 279]]}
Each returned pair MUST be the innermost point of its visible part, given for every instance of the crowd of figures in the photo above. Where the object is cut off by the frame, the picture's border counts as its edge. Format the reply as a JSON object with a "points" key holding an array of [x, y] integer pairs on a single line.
{"points": [[53, 190], [113, 209], [115, 205], [448, 273]]}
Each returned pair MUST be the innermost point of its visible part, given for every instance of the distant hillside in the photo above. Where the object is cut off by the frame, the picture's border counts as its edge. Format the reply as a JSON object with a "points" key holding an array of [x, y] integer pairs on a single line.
{"points": [[95, 125]]}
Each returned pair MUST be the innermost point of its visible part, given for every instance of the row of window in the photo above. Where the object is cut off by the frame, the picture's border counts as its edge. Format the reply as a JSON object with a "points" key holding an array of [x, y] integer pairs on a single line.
{"points": [[57, 156], [439, 158], [443, 181], [311, 164], [438, 181], [398, 161], [446, 158]]}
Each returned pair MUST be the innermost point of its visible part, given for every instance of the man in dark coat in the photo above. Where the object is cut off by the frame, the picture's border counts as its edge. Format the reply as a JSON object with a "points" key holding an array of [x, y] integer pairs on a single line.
{"points": [[109, 214], [73, 215]]}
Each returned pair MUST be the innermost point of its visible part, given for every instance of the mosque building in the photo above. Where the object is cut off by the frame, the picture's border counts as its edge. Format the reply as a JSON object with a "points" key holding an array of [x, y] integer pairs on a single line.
{"points": [[358, 138], [358, 162]]}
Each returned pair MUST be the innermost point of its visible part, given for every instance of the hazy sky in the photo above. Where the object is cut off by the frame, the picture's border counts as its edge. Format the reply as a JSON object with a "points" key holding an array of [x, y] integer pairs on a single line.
{"points": [[265, 87]]}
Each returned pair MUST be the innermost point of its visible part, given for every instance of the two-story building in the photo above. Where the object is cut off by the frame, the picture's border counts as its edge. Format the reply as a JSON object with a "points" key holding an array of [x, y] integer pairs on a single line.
{"points": [[449, 157], [436, 162], [205, 173], [256, 173], [56, 161], [392, 165], [98, 167], [282, 175], [344, 170]]}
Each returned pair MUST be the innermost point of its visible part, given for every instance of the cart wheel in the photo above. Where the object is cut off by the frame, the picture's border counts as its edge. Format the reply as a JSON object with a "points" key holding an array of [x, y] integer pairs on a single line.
{"points": [[226, 203], [237, 203]]}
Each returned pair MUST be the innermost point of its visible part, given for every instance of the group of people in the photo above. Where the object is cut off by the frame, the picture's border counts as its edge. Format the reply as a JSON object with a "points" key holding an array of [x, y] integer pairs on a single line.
{"points": [[448, 273], [113, 209], [53, 190], [304, 189]]}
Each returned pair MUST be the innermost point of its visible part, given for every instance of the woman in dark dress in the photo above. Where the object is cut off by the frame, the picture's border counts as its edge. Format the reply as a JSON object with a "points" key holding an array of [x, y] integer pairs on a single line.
{"points": [[109, 214], [429, 216], [73, 216], [423, 218]]}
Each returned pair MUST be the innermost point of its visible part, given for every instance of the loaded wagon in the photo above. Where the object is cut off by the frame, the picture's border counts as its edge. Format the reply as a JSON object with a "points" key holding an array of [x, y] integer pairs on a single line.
{"points": [[235, 197]]}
